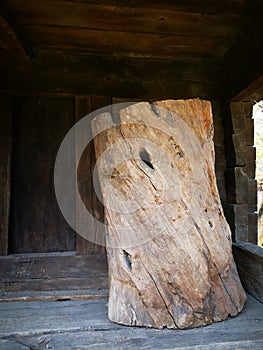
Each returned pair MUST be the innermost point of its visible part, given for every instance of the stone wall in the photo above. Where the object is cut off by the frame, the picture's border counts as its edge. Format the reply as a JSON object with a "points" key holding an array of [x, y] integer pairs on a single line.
{"points": [[241, 186]]}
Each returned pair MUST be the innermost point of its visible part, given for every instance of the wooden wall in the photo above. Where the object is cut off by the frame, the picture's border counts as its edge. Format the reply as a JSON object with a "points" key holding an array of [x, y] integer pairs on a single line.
{"points": [[39, 126], [36, 225], [5, 169], [31, 131], [83, 106]]}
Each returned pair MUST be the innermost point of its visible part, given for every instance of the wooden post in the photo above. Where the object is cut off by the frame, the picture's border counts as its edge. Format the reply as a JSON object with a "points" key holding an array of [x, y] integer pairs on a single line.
{"points": [[168, 245], [5, 169]]}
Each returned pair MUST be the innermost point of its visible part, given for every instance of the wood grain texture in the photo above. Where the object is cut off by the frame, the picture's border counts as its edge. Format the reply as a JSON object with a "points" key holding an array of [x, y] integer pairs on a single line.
{"points": [[224, 7], [249, 260], [142, 18], [83, 106], [37, 225], [214, 34], [147, 44], [160, 30], [57, 72], [169, 246], [84, 324], [53, 275], [6, 121]]}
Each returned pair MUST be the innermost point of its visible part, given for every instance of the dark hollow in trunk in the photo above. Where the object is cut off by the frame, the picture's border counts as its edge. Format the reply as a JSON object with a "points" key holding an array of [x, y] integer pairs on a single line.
{"points": [[168, 243]]}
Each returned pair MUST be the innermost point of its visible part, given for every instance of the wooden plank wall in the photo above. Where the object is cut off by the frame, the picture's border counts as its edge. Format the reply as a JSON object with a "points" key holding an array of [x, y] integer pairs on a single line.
{"points": [[40, 124], [37, 225], [83, 106], [5, 168], [50, 276]]}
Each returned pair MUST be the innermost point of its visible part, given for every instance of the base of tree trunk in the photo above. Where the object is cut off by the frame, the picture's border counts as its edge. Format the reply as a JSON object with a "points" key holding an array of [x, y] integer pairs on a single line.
{"points": [[168, 244]]}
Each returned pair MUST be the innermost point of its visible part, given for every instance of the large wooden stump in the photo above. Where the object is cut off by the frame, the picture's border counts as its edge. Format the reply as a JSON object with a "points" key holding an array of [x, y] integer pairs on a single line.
{"points": [[168, 243]]}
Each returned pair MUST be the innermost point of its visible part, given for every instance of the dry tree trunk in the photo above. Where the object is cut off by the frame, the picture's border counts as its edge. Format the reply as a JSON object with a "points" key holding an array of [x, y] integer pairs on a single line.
{"points": [[168, 243]]}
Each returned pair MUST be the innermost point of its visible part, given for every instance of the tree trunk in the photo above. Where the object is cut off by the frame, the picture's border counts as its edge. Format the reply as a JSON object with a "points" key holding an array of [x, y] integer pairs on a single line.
{"points": [[168, 243]]}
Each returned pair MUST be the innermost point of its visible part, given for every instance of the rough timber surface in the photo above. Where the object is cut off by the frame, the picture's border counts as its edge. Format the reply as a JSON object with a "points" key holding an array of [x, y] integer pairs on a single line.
{"points": [[168, 246], [249, 260], [84, 325], [52, 276]]}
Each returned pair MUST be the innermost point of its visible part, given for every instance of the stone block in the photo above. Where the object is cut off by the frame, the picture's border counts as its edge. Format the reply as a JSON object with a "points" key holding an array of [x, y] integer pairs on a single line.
{"points": [[238, 116], [239, 143], [249, 132], [237, 217], [250, 167], [253, 228], [252, 195], [236, 186], [248, 108]]}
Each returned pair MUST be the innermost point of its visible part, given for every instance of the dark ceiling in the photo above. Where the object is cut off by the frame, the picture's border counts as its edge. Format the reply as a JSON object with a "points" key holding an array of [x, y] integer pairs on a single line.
{"points": [[113, 44]]}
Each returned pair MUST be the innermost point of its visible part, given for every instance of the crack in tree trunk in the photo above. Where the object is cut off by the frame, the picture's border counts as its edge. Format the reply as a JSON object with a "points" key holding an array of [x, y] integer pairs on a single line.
{"points": [[169, 247]]}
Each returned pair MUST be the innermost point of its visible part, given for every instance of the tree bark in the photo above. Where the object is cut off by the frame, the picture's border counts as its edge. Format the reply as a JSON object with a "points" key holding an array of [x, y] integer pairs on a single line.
{"points": [[168, 243]]}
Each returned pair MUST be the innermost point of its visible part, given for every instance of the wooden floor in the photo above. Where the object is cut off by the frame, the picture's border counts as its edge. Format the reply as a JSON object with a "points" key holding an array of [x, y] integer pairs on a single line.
{"points": [[83, 324], [68, 310], [52, 276]]}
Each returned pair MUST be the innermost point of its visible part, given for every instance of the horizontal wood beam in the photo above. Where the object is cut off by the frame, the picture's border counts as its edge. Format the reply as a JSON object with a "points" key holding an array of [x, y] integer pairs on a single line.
{"points": [[143, 18], [148, 45], [53, 272], [242, 65], [202, 6], [249, 260], [109, 76]]}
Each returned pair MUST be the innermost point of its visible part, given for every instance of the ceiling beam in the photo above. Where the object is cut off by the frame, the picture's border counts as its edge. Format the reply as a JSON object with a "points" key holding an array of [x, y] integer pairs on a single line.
{"points": [[75, 74], [201, 6], [242, 65]]}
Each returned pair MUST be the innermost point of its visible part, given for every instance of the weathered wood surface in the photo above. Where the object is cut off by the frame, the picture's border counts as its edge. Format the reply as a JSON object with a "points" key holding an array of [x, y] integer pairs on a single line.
{"points": [[176, 18], [108, 76], [84, 324], [57, 295], [249, 260], [84, 105], [52, 276], [37, 224], [169, 245], [185, 32], [111, 27], [6, 121]]}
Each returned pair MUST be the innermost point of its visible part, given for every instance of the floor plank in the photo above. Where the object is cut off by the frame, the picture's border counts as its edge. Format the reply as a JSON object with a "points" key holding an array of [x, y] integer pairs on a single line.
{"points": [[83, 324], [30, 275]]}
